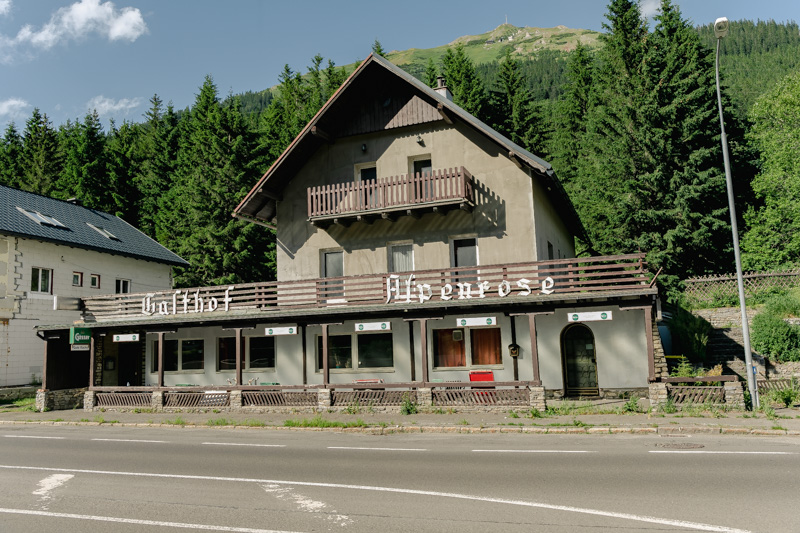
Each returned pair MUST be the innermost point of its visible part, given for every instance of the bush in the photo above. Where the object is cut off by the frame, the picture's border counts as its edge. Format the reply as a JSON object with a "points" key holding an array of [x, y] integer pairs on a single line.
{"points": [[689, 334], [774, 338]]}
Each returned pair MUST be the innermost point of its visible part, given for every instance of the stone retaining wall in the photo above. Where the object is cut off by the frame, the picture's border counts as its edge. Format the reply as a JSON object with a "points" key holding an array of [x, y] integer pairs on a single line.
{"points": [[16, 393], [59, 400]]}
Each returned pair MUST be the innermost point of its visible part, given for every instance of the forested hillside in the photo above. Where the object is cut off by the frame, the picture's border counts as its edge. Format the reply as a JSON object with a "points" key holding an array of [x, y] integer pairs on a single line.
{"points": [[628, 119]]}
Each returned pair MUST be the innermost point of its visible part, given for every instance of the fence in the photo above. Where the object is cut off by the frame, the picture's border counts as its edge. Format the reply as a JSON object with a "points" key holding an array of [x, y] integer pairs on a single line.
{"points": [[723, 289]]}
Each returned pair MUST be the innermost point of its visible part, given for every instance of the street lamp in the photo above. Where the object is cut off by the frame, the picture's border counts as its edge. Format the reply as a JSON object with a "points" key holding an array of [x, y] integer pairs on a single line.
{"points": [[721, 30]]}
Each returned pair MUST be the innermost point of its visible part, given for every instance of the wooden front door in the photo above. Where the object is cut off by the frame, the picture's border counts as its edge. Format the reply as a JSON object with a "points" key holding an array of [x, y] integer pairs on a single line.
{"points": [[580, 361], [130, 364]]}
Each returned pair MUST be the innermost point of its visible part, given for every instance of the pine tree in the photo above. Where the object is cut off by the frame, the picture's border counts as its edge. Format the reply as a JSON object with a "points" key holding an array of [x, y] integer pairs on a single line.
{"points": [[378, 50], [463, 82], [512, 111], [41, 157], [11, 150], [430, 75], [84, 171], [123, 163]]}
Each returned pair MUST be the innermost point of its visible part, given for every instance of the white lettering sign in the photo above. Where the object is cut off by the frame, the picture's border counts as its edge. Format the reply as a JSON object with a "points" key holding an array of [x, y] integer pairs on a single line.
{"points": [[189, 303], [133, 337], [283, 330], [461, 290], [374, 326], [477, 321], [79, 347], [591, 316]]}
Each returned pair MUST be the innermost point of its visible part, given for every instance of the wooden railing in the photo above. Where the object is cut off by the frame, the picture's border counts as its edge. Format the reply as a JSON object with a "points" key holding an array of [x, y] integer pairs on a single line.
{"points": [[513, 281], [382, 194]]}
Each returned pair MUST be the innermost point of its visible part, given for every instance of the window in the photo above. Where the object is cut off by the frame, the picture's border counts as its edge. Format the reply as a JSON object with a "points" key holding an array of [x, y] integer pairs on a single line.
{"points": [[42, 220], [41, 280], [102, 231], [401, 258], [77, 279], [450, 347], [94, 281], [367, 350], [123, 286], [465, 253], [333, 267], [260, 353], [183, 354], [550, 254], [368, 173]]}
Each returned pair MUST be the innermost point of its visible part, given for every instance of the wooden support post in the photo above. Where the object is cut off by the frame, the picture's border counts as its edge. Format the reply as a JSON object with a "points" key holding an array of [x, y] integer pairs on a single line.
{"points": [[423, 341], [537, 381], [91, 360], [325, 367], [302, 332], [411, 350], [514, 341], [651, 356], [44, 367]]}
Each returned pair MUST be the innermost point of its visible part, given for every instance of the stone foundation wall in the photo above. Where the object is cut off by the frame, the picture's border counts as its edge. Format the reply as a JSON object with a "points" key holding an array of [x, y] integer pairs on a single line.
{"points": [[16, 393], [60, 400]]}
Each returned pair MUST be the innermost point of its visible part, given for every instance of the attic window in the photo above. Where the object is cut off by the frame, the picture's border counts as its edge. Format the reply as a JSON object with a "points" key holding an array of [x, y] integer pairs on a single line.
{"points": [[42, 220], [102, 231]]}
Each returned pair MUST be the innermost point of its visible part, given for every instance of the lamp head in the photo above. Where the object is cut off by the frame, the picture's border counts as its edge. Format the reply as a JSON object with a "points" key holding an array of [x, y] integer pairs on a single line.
{"points": [[721, 27]]}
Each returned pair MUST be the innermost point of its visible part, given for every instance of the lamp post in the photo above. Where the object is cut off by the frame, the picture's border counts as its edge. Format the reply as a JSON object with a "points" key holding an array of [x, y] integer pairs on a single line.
{"points": [[721, 30]]}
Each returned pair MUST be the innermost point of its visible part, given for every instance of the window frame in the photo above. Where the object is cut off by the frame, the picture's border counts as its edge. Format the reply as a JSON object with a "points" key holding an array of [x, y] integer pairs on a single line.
{"points": [[356, 367], [38, 277], [247, 355], [468, 358], [471, 278], [180, 370], [93, 277], [120, 283], [79, 278], [390, 260]]}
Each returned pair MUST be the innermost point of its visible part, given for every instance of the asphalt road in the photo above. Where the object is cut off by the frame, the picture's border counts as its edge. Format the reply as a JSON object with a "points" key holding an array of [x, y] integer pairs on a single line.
{"points": [[91, 479]]}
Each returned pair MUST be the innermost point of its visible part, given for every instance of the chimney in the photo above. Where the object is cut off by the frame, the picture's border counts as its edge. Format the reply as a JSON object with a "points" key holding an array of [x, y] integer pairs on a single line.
{"points": [[442, 89], [73, 201]]}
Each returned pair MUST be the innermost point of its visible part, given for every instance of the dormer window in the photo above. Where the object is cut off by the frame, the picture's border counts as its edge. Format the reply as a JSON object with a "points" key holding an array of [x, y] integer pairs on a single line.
{"points": [[39, 218], [102, 231]]}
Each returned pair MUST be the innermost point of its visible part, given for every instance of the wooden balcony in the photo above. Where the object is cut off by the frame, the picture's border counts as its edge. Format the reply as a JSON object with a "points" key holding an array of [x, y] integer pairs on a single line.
{"points": [[556, 280], [388, 198]]}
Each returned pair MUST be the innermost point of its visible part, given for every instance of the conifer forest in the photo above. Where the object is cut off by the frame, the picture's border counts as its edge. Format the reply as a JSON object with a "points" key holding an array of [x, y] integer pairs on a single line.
{"points": [[630, 126]]}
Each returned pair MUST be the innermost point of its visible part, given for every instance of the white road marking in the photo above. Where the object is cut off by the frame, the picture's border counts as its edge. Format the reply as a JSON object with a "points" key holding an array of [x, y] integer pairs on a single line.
{"points": [[130, 440], [536, 451], [31, 437], [595, 512], [245, 444], [307, 504], [51, 482], [722, 452], [205, 527], [378, 449]]}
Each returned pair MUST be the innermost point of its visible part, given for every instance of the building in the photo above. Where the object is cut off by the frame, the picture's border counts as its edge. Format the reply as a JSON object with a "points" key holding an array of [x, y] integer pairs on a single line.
{"points": [[54, 252], [419, 251]]}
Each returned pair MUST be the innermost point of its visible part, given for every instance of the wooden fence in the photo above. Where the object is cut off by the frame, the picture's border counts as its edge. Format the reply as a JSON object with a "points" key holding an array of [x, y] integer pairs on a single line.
{"points": [[723, 289]]}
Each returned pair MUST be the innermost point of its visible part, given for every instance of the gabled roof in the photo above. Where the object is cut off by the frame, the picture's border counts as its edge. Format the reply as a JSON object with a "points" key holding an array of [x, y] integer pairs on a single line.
{"points": [[260, 203], [32, 216]]}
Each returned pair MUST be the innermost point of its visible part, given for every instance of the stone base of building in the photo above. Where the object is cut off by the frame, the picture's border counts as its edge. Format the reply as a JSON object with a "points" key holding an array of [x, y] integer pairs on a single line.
{"points": [[60, 400]]}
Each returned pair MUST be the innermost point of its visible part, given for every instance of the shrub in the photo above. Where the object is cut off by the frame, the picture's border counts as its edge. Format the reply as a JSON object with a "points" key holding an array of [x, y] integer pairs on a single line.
{"points": [[689, 334], [408, 407], [774, 338]]}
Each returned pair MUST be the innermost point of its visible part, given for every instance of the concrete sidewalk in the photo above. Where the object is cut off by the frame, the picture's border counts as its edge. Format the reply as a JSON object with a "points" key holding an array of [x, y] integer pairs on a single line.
{"points": [[450, 420]]}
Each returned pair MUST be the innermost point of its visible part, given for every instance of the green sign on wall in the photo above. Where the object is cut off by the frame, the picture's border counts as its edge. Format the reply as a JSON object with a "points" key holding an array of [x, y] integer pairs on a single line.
{"points": [[80, 335]]}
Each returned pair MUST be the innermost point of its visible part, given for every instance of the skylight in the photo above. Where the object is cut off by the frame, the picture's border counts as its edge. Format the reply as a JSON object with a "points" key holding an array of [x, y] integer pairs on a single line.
{"points": [[102, 231], [42, 220]]}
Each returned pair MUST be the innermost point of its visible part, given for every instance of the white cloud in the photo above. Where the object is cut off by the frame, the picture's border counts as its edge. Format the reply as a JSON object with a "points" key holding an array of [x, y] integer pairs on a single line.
{"points": [[106, 106], [5, 7], [12, 108], [75, 22], [650, 8]]}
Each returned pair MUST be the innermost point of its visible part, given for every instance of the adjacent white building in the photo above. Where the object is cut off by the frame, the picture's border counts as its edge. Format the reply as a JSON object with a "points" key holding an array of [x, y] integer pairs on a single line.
{"points": [[53, 252]]}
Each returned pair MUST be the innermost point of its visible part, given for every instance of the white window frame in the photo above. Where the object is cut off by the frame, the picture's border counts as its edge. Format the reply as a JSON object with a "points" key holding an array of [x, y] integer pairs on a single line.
{"points": [[39, 271], [467, 350], [180, 370], [93, 277], [120, 283], [80, 279], [359, 166], [421, 157], [356, 369], [389, 261], [39, 218], [246, 363]]}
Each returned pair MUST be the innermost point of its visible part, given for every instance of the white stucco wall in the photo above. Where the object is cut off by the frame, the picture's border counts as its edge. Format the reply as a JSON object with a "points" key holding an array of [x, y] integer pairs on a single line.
{"points": [[21, 351]]}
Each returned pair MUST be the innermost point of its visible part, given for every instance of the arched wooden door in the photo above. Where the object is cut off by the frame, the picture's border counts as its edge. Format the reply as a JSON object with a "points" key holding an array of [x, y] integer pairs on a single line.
{"points": [[579, 360]]}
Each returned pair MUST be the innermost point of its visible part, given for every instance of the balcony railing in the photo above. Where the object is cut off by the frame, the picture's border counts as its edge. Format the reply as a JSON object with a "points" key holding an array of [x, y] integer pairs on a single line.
{"points": [[440, 187], [551, 279]]}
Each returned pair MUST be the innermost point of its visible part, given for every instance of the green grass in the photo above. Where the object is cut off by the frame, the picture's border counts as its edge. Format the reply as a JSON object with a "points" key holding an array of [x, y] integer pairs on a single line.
{"points": [[21, 404], [177, 422], [101, 420], [319, 422]]}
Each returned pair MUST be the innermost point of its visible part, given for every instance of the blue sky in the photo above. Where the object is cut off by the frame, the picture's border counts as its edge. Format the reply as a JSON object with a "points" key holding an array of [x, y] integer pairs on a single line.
{"points": [[67, 57]]}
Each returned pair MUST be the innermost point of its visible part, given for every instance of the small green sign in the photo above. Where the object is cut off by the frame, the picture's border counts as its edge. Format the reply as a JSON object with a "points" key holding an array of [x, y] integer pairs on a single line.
{"points": [[383, 325], [463, 322], [361, 327], [575, 318], [80, 335], [489, 321], [269, 331], [604, 315], [291, 331]]}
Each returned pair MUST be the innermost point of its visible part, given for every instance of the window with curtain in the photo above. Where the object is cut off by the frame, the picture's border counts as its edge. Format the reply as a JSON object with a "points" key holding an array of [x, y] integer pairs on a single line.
{"points": [[340, 351], [485, 346], [401, 258], [226, 354], [448, 346]]}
